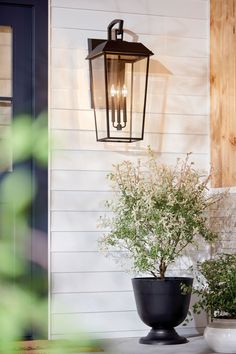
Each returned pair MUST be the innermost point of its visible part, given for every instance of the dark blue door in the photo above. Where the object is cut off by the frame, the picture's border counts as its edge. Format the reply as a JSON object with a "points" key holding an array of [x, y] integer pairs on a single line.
{"points": [[24, 90]]}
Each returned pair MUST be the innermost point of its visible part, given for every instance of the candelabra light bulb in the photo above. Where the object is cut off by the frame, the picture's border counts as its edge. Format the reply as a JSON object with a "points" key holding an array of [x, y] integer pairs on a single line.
{"points": [[113, 91], [124, 91]]}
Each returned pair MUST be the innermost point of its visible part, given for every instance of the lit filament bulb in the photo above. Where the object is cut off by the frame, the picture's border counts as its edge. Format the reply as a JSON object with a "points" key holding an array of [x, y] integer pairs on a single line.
{"points": [[124, 91], [113, 94], [113, 91], [118, 105]]}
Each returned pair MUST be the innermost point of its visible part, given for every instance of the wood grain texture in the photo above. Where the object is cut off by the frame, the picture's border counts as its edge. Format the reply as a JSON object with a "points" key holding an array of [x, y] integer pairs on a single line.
{"points": [[223, 92]]}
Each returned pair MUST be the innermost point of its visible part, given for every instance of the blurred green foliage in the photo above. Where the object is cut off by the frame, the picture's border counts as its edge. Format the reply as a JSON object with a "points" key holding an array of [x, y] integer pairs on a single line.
{"points": [[20, 306]]}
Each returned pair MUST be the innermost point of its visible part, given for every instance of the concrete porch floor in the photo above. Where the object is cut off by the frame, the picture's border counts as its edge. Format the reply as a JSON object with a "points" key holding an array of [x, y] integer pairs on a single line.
{"points": [[196, 345]]}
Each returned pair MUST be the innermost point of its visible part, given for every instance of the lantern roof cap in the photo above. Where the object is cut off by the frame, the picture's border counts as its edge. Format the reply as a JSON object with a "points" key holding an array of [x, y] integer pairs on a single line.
{"points": [[120, 47]]}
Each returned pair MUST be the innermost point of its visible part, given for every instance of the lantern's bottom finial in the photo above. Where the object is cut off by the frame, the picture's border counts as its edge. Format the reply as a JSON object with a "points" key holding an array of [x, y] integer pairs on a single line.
{"points": [[119, 127]]}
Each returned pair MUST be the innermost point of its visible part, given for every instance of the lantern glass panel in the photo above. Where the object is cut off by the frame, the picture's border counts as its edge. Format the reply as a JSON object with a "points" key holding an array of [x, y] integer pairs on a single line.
{"points": [[140, 76], [126, 85], [99, 95]]}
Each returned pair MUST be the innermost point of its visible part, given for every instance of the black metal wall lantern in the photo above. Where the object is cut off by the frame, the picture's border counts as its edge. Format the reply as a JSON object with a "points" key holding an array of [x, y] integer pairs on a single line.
{"points": [[119, 77]]}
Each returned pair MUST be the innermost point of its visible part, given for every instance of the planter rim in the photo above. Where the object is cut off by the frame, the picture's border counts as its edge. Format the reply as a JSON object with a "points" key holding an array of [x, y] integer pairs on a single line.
{"points": [[219, 323], [159, 279]]}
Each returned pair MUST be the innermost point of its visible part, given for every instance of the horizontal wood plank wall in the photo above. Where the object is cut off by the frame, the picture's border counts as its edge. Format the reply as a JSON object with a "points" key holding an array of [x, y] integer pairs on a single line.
{"points": [[88, 290], [223, 92]]}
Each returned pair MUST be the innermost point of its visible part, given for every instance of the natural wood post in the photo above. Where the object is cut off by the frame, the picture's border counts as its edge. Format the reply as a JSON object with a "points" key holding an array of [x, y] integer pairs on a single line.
{"points": [[223, 92]]}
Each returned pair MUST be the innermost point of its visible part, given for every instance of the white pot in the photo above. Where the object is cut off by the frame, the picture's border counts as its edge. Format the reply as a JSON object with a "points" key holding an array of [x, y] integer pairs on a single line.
{"points": [[220, 335]]}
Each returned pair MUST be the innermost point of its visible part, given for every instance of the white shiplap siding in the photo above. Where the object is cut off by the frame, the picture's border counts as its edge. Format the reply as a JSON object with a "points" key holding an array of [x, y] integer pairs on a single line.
{"points": [[88, 290]]}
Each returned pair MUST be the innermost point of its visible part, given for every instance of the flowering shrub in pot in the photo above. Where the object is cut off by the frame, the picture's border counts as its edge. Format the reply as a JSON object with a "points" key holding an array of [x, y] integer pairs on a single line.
{"points": [[216, 291], [157, 211]]}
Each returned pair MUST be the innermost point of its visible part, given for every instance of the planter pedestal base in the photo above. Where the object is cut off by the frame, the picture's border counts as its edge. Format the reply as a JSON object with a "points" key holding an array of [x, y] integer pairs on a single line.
{"points": [[163, 337]]}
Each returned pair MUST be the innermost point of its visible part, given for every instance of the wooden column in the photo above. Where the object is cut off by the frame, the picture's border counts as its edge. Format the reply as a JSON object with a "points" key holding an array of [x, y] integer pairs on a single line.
{"points": [[223, 92]]}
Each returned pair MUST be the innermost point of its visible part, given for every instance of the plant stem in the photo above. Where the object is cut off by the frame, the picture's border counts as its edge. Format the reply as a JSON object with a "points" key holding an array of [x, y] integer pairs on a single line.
{"points": [[162, 269], [155, 276]]}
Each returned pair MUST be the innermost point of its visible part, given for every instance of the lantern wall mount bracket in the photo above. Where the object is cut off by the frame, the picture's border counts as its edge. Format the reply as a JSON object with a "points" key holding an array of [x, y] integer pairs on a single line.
{"points": [[118, 32], [94, 42]]}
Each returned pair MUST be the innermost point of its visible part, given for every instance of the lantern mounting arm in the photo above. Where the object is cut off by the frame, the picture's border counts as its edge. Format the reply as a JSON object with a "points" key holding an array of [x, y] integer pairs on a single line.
{"points": [[118, 32]]}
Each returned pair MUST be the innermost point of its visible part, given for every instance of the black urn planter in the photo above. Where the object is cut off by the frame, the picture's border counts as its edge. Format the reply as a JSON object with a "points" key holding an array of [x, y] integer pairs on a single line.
{"points": [[162, 305]]}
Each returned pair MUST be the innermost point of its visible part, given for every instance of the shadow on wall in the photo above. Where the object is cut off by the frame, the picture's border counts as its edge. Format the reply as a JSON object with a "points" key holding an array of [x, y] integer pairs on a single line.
{"points": [[162, 73]]}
